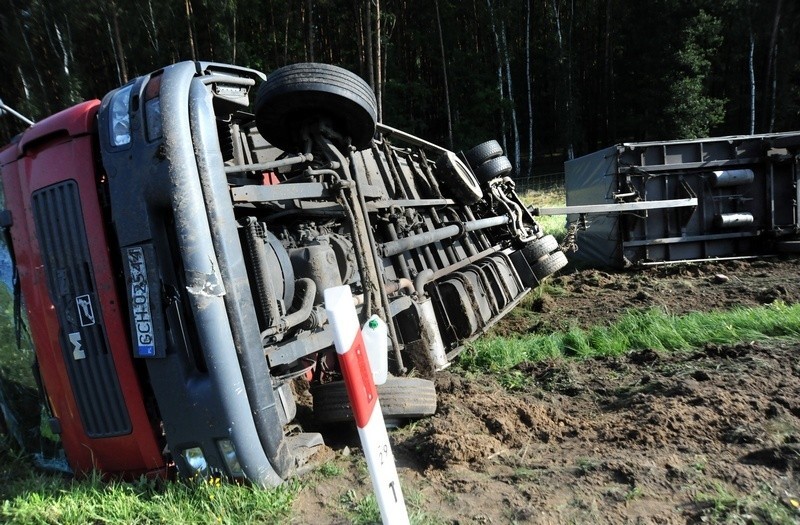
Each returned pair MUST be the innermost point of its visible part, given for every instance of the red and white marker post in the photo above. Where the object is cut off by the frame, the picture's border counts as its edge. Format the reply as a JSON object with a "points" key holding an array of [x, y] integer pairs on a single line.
{"points": [[363, 397]]}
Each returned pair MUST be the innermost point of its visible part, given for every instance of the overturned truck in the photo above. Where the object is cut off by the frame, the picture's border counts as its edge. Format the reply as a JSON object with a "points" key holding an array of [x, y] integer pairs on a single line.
{"points": [[173, 243]]}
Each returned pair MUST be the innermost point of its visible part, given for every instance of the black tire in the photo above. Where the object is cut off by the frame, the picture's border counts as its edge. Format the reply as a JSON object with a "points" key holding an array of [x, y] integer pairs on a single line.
{"points": [[549, 265], [400, 398], [482, 152], [493, 169], [458, 179], [539, 248], [294, 95]]}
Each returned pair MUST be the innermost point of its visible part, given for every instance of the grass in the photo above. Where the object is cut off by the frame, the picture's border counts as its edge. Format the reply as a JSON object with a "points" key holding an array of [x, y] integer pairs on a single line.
{"points": [[363, 510], [330, 470], [586, 465], [555, 225], [650, 329], [722, 505], [36, 498]]}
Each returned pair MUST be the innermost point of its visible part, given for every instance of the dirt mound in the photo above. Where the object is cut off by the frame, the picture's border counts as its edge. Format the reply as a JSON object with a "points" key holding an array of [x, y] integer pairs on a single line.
{"points": [[491, 422]]}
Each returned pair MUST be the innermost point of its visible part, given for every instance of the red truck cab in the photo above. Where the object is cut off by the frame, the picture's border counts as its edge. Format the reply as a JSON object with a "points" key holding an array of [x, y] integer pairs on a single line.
{"points": [[51, 177]]}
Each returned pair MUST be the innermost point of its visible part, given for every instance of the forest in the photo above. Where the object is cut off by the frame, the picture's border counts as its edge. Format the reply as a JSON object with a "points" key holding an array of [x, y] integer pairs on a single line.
{"points": [[551, 79]]}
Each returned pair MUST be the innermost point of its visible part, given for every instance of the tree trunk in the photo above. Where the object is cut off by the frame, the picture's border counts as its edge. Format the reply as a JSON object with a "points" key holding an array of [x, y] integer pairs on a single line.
{"points": [[378, 60], [71, 47], [286, 32], [529, 81], [274, 35], [25, 89], [359, 36], [514, 127], [234, 32], [118, 43], [570, 110], [59, 38], [751, 70], [192, 48], [444, 75], [370, 52], [23, 31], [772, 55], [566, 65], [63, 46], [150, 27], [608, 75], [773, 91], [116, 55], [310, 29], [499, 76], [47, 32]]}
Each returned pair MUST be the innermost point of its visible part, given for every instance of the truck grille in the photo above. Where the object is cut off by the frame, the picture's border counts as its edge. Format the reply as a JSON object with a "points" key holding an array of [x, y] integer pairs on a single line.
{"points": [[67, 262]]}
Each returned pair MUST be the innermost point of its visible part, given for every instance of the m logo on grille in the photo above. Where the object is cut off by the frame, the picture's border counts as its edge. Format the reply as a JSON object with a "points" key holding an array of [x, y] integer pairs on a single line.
{"points": [[77, 346], [85, 310]]}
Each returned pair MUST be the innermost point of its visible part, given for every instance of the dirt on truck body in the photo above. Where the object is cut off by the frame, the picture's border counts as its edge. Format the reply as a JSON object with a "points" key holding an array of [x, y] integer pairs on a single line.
{"points": [[173, 242]]}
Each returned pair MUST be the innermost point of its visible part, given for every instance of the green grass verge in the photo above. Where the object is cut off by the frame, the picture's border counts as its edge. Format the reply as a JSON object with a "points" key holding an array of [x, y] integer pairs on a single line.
{"points": [[36, 498], [650, 329], [555, 225], [555, 196]]}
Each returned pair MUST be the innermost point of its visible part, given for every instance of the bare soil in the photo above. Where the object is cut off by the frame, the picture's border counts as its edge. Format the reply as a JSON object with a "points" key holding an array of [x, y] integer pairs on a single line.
{"points": [[710, 435]]}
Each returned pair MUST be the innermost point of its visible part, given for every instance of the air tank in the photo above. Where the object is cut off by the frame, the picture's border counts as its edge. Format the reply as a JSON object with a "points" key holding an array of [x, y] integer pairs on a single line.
{"points": [[725, 178], [733, 220]]}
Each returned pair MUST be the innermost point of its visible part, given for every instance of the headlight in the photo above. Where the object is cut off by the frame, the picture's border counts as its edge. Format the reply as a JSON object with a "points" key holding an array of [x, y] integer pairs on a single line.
{"points": [[229, 453], [196, 460], [120, 121]]}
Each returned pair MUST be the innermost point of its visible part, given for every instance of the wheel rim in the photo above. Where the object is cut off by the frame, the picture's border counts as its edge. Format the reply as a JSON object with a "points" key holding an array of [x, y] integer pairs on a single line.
{"points": [[460, 180]]}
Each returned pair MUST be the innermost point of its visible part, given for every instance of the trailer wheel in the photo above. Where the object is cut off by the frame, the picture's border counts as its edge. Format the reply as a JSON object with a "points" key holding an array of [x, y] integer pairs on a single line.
{"points": [[493, 168], [482, 152], [458, 179], [401, 398], [297, 94], [539, 248], [549, 265]]}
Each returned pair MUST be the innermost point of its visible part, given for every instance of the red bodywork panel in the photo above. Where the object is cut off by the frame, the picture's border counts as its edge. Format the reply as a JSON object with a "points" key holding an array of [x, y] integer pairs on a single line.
{"points": [[61, 148]]}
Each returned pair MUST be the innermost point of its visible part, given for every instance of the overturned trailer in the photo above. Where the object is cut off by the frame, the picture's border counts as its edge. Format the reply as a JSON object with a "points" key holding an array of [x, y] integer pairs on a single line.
{"points": [[685, 200]]}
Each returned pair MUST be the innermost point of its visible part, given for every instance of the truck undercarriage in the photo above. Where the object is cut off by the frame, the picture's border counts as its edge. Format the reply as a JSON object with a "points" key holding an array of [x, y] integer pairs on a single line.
{"points": [[173, 249]]}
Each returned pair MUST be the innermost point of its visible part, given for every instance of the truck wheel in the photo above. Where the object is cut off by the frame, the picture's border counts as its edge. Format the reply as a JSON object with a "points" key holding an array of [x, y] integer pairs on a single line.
{"points": [[549, 265], [400, 397], [537, 249], [493, 168], [458, 179], [482, 152], [296, 94]]}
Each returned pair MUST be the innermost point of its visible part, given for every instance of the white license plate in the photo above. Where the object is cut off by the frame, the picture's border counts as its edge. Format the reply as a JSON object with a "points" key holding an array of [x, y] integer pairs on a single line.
{"points": [[144, 339]]}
